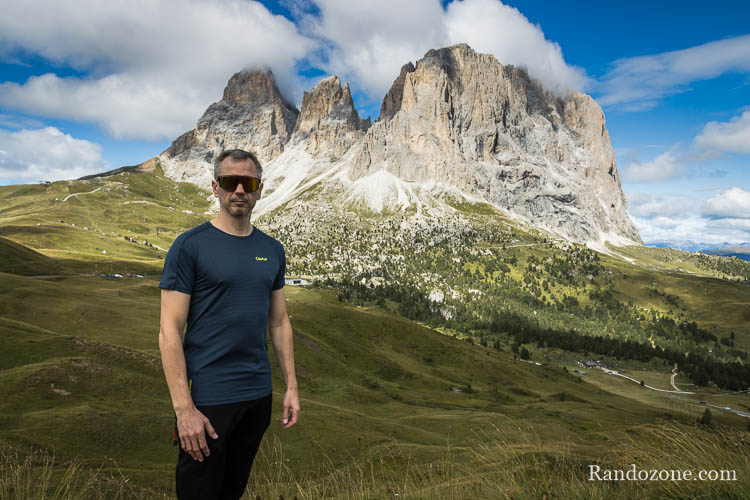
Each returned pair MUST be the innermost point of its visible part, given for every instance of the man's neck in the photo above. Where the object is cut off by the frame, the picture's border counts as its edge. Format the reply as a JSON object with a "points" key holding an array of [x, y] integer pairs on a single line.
{"points": [[238, 226]]}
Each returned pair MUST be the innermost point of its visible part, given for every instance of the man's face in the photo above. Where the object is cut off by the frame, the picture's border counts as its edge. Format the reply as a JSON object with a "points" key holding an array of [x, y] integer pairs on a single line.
{"points": [[237, 203]]}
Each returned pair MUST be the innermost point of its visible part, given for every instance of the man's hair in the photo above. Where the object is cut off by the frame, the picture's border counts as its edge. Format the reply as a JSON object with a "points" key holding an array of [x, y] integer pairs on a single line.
{"points": [[237, 155]]}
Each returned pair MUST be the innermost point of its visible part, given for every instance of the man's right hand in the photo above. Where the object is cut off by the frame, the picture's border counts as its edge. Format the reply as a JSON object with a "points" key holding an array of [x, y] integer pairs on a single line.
{"points": [[192, 426]]}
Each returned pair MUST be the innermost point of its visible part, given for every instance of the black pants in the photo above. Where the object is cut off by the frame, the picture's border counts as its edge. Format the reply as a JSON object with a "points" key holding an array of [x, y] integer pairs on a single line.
{"points": [[224, 474]]}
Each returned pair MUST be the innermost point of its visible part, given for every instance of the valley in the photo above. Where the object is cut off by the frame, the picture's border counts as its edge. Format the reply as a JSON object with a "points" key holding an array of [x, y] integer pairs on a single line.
{"points": [[410, 347]]}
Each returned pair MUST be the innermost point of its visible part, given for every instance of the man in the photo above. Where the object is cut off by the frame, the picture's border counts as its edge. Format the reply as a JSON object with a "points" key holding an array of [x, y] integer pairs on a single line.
{"points": [[225, 279]]}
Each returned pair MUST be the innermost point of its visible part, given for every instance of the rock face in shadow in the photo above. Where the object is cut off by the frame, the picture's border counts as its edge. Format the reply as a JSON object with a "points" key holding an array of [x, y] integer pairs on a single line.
{"points": [[455, 121]]}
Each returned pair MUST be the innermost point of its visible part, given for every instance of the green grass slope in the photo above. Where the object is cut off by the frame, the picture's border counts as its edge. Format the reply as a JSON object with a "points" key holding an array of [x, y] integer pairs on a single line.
{"points": [[124, 217], [389, 405], [85, 382]]}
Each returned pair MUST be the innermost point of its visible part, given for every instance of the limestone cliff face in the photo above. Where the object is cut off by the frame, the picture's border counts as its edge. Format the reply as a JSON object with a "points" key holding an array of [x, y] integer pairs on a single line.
{"points": [[392, 100], [455, 121], [252, 115], [464, 120], [328, 122]]}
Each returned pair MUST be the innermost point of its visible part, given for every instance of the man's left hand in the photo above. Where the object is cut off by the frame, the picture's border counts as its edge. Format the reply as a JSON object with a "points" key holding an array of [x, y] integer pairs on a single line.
{"points": [[290, 410]]}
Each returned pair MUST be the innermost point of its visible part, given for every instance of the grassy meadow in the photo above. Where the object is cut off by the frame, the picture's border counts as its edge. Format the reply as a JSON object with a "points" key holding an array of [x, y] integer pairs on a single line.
{"points": [[391, 407]]}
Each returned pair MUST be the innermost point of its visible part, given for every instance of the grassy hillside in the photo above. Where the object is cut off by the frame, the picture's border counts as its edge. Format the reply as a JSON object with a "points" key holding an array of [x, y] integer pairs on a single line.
{"points": [[399, 395], [123, 217], [376, 389]]}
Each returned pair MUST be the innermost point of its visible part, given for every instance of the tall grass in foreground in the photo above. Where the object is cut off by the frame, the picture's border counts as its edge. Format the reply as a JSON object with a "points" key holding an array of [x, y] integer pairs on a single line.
{"points": [[493, 467], [37, 476]]}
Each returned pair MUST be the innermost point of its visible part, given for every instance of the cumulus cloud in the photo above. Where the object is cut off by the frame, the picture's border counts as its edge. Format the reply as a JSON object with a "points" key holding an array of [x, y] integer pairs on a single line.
{"points": [[663, 167], [693, 228], [147, 70], [152, 67], [47, 154], [650, 205], [731, 137], [368, 42], [733, 203], [638, 83], [126, 106], [489, 26], [725, 217]]}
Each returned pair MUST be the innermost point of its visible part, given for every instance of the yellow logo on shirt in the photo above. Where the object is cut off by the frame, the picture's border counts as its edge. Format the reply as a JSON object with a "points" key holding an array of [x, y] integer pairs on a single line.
{"points": [[261, 258]]}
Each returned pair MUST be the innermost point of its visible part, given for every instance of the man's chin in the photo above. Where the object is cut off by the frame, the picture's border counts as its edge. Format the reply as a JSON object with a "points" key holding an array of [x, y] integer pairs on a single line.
{"points": [[239, 212]]}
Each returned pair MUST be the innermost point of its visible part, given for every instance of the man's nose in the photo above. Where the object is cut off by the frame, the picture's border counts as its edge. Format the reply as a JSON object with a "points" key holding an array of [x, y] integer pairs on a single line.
{"points": [[240, 188]]}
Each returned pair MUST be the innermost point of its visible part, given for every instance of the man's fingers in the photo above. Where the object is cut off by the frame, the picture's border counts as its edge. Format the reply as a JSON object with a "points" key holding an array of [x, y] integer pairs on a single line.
{"points": [[293, 420], [289, 419], [203, 445], [285, 414], [185, 443], [210, 428], [195, 446]]}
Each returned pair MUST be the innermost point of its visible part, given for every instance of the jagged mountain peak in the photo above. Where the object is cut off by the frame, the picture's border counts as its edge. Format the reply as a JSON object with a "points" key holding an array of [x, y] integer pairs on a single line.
{"points": [[461, 118], [254, 86], [455, 121], [328, 120], [252, 114]]}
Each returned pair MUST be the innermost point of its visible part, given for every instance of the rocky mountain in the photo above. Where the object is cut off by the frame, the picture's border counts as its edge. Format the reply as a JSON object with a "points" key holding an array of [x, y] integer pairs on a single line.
{"points": [[251, 115], [328, 122], [456, 125]]}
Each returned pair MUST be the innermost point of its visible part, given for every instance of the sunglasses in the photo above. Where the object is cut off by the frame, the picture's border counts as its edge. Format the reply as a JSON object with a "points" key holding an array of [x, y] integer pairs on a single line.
{"points": [[230, 182]]}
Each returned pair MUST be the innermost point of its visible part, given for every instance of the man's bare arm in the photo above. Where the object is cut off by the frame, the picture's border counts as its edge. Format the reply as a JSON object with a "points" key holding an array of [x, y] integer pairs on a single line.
{"points": [[190, 422], [280, 330]]}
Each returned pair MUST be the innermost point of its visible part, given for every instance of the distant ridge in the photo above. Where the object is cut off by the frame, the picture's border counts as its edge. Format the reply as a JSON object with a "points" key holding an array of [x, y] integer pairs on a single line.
{"points": [[147, 166]]}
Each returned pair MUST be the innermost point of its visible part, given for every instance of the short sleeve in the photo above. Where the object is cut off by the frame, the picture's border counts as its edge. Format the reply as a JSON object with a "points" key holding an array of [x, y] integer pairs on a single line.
{"points": [[179, 268], [279, 283]]}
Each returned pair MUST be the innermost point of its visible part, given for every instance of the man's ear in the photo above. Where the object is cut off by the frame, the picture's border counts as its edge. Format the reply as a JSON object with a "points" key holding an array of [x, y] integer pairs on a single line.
{"points": [[260, 190], [214, 186]]}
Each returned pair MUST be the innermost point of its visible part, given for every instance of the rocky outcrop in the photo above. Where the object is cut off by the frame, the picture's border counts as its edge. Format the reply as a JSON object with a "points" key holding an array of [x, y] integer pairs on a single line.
{"points": [[252, 115], [328, 121], [455, 121], [464, 120]]}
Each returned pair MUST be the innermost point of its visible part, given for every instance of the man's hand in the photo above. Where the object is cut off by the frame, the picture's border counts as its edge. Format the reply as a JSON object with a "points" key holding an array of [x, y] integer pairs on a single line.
{"points": [[290, 410], [192, 427]]}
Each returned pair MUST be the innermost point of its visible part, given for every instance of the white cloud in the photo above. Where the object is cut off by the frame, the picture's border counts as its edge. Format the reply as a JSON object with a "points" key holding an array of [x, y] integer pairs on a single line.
{"points": [[125, 105], [732, 136], [649, 205], [733, 203], [153, 66], [693, 228], [663, 167], [149, 69], [47, 154], [678, 218], [638, 83], [489, 26], [370, 41]]}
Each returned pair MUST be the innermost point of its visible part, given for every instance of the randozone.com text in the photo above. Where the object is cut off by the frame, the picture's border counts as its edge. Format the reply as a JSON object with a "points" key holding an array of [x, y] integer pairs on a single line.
{"points": [[634, 474]]}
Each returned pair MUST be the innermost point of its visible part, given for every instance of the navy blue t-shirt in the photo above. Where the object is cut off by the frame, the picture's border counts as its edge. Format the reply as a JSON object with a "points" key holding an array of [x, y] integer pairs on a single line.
{"points": [[229, 279]]}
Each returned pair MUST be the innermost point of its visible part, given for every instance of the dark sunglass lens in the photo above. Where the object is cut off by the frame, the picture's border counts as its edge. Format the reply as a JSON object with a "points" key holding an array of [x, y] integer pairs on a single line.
{"points": [[228, 182], [250, 184]]}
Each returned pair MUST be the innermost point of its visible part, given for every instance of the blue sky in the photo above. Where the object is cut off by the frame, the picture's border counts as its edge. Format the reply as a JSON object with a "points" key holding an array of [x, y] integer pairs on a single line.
{"points": [[89, 86]]}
